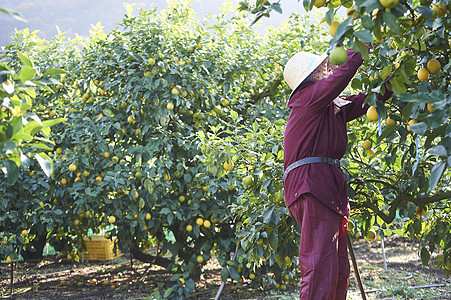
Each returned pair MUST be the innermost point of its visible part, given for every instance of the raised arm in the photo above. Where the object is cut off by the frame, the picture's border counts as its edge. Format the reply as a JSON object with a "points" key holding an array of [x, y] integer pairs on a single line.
{"points": [[321, 93]]}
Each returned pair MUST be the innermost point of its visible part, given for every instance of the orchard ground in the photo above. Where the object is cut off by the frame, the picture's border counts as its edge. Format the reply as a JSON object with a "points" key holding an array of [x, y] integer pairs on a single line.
{"points": [[56, 278]]}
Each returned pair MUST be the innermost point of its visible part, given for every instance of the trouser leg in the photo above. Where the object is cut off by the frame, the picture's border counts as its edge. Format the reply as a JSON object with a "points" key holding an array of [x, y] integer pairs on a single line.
{"points": [[324, 267]]}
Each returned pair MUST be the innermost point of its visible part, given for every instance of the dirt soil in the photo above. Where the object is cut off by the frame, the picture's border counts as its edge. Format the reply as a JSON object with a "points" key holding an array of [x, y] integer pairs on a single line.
{"points": [[59, 278]]}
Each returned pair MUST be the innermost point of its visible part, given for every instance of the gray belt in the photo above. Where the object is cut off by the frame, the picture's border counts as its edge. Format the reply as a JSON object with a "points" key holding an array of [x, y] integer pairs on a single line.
{"points": [[311, 160]]}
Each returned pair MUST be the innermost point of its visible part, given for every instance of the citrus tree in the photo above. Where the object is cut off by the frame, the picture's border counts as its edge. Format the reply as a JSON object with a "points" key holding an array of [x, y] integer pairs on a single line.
{"points": [[128, 161], [398, 158]]}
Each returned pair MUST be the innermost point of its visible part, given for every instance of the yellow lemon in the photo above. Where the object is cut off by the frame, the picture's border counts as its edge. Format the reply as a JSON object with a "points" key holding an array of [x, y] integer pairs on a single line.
{"points": [[170, 106], [148, 216], [423, 74], [199, 221], [389, 4], [200, 259], [111, 219], [72, 167], [9, 260], [439, 9], [429, 107], [433, 66], [366, 145], [371, 235], [390, 121], [189, 228], [228, 166], [207, 224], [333, 28], [413, 121], [372, 114], [319, 3]]}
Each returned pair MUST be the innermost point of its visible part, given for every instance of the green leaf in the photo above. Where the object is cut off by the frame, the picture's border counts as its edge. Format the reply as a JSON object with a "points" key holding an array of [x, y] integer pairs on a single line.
{"points": [[274, 241], [425, 256], [234, 273], [41, 146], [224, 274], [25, 60], [277, 7], [32, 128], [267, 216], [419, 128], [367, 22], [45, 162], [54, 71], [27, 73], [50, 123], [364, 35], [342, 29], [391, 21], [13, 14], [329, 17], [12, 171], [388, 131], [168, 292], [436, 174], [438, 150]]}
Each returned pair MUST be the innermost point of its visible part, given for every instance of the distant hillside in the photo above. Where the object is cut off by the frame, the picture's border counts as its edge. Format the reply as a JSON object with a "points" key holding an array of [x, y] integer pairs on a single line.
{"points": [[76, 16]]}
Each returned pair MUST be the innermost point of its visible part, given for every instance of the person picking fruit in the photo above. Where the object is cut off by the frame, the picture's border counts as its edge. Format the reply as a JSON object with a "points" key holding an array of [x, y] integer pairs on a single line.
{"points": [[315, 187]]}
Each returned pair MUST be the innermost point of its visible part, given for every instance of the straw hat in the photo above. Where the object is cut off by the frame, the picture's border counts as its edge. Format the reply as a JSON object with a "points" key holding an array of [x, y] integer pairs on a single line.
{"points": [[299, 67]]}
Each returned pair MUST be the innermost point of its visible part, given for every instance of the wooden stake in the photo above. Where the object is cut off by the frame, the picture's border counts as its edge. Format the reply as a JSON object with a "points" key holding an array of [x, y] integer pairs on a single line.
{"points": [[356, 270], [12, 279]]}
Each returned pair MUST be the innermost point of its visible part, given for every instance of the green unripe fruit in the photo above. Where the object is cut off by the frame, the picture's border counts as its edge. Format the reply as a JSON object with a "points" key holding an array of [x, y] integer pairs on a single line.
{"points": [[338, 56]]}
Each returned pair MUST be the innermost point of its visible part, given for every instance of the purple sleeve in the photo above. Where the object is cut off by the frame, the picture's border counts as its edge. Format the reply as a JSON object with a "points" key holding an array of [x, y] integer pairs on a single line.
{"points": [[320, 94]]}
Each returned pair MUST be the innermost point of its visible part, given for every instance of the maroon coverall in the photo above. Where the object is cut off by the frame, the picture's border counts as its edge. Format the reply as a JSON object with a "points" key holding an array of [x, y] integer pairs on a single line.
{"points": [[316, 194]]}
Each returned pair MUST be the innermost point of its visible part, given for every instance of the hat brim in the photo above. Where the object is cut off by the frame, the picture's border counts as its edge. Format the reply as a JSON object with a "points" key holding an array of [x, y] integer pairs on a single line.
{"points": [[312, 68]]}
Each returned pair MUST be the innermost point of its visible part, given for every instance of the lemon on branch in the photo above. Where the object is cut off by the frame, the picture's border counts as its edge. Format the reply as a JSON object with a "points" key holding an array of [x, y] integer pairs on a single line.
{"points": [[319, 3], [371, 235], [413, 121], [439, 9], [228, 166], [389, 4], [338, 56], [333, 28], [423, 74], [372, 114], [433, 66], [390, 121], [366, 145]]}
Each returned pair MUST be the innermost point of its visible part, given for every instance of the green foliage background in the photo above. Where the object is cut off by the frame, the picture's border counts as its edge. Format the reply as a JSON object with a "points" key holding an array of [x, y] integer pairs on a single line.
{"points": [[136, 155]]}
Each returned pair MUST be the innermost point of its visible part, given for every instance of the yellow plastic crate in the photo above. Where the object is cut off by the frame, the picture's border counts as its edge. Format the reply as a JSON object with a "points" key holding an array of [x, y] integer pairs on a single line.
{"points": [[100, 248]]}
